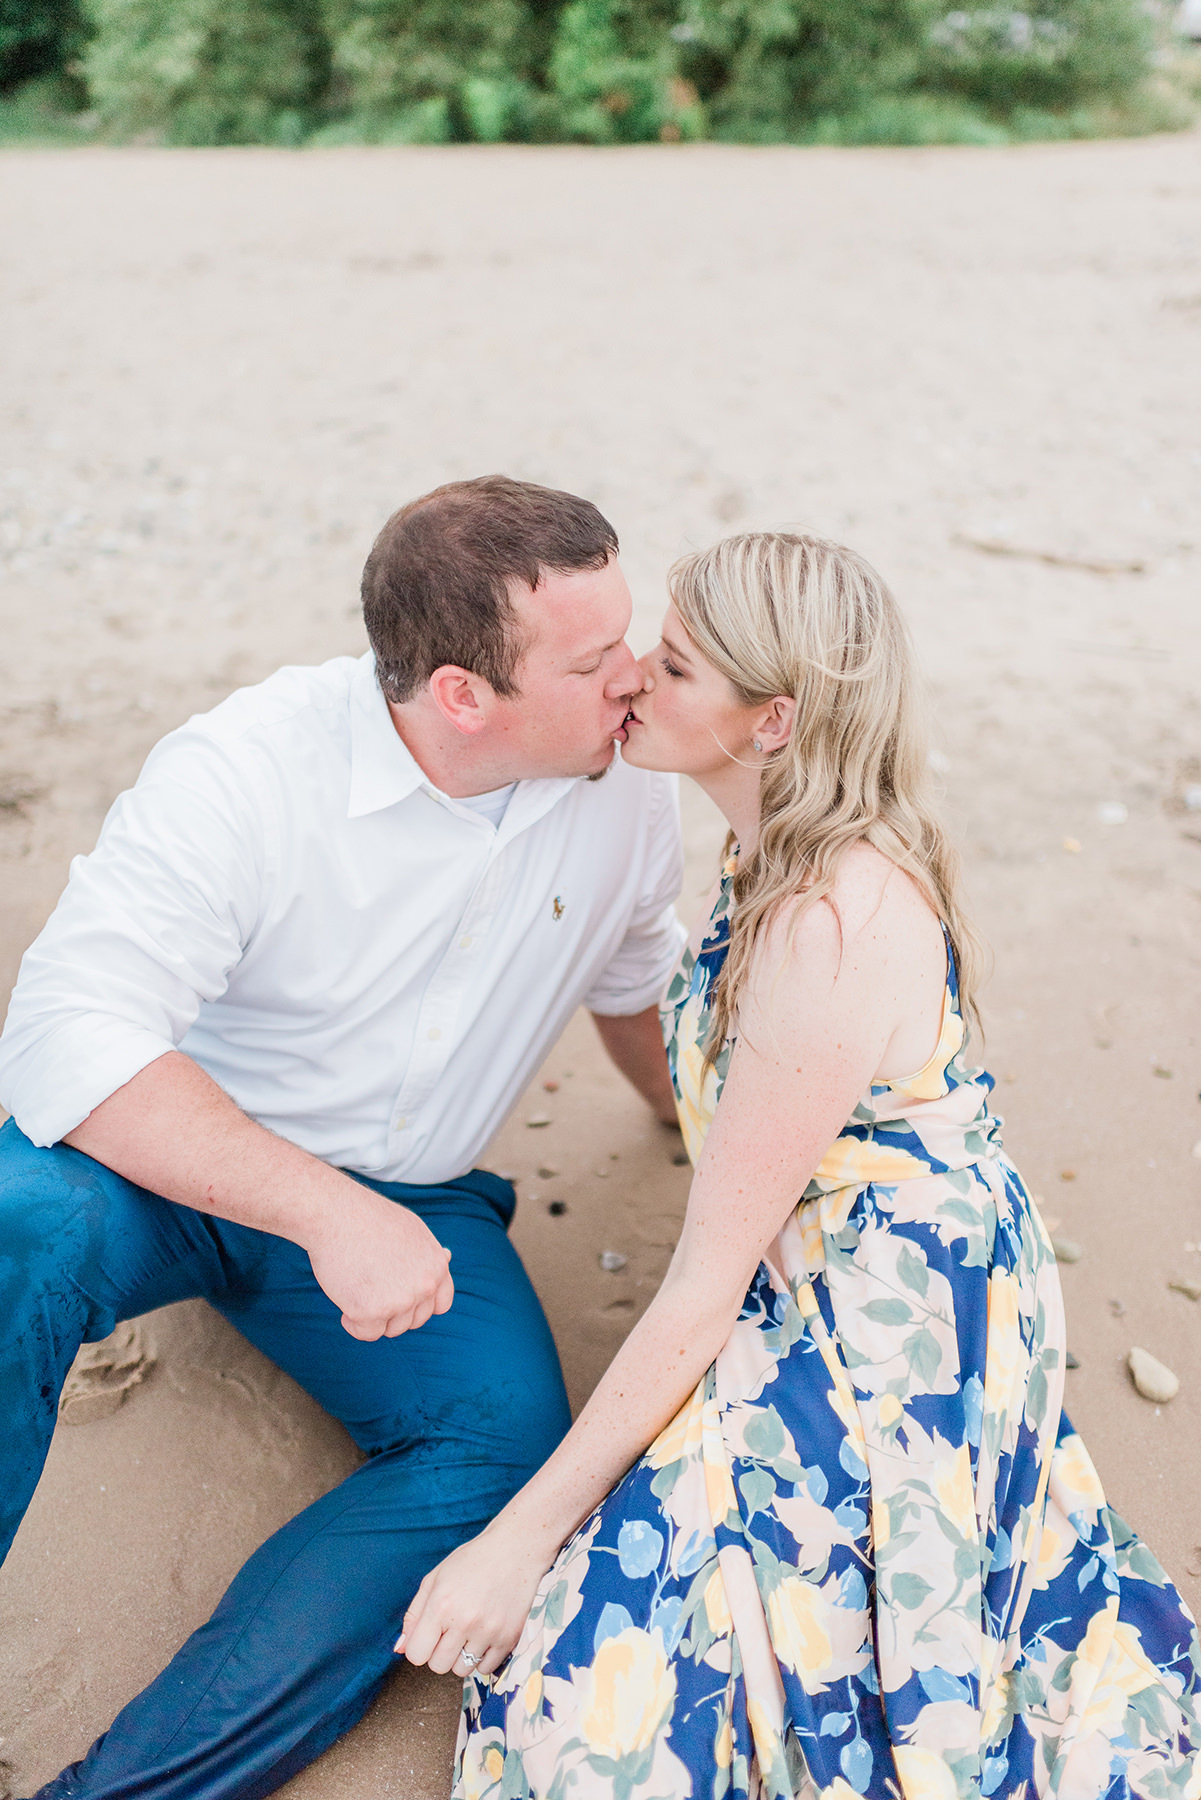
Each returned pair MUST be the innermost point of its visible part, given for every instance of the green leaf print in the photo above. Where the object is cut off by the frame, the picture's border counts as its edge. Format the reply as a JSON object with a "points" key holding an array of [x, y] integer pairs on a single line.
{"points": [[758, 1490], [764, 1435], [924, 1355], [888, 1312], [556, 1601], [909, 1590], [913, 1271]]}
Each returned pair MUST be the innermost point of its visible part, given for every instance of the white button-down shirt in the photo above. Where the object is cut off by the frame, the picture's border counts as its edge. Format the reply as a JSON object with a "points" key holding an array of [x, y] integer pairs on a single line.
{"points": [[369, 968]]}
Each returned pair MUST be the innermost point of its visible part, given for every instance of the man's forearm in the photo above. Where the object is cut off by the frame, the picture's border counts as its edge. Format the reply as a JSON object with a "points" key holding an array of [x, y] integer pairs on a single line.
{"points": [[635, 1043], [173, 1130]]}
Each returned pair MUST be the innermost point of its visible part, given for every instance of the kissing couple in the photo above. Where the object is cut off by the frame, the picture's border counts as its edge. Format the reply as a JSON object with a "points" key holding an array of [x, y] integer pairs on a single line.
{"points": [[823, 1528]]}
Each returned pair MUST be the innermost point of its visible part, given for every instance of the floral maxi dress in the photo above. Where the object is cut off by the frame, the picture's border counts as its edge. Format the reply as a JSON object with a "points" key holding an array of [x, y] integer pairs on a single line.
{"points": [[869, 1556]]}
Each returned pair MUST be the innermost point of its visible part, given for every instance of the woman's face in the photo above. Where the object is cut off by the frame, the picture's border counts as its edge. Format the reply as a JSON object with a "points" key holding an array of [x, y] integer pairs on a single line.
{"points": [[687, 717]]}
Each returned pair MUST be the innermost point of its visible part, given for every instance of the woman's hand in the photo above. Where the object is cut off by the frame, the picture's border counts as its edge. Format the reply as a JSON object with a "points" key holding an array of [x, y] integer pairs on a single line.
{"points": [[475, 1601]]}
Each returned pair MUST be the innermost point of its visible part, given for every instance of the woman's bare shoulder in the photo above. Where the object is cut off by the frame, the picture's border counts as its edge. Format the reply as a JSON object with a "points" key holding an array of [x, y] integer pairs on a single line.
{"points": [[873, 907]]}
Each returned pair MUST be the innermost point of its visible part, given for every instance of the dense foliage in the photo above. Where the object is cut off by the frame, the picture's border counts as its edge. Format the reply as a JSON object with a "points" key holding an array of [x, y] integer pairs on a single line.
{"points": [[592, 71]]}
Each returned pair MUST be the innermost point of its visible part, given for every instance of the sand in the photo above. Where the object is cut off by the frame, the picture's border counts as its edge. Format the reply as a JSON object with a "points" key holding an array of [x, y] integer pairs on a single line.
{"points": [[221, 370]]}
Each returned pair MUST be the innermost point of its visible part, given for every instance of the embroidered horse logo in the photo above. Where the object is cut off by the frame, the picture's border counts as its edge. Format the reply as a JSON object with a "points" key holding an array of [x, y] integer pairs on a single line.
{"points": [[557, 909]]}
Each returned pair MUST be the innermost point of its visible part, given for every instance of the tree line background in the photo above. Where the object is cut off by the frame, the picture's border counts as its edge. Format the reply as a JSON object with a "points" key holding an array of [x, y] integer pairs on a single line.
{"points": [[295, 72]]}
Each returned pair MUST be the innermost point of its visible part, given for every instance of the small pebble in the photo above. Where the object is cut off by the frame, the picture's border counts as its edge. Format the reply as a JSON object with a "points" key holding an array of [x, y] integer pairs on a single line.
{"points": [[537, 1120], [1151, 1378], [1067, 1250], [1112, 812], [1067, 1174], [1070, 1361], [1118, 1308], [1190, 1289], [1197, 1149], [601, 1174], [546, 1173], [509, 1175], [1164, 1074], [1192, 797], [611, 1261], [551, 1086], [1072, 846], [556, 1208], [681, 1159]]}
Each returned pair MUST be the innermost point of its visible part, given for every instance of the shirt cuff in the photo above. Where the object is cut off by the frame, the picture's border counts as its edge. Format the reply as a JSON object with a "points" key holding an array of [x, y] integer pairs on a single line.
{"points": [[613, 1001], [51, 1087]]}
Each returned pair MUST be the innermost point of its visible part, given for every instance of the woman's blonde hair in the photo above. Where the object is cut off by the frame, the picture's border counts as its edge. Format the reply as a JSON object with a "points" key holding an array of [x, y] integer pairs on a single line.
{"points": [[782, 613]]}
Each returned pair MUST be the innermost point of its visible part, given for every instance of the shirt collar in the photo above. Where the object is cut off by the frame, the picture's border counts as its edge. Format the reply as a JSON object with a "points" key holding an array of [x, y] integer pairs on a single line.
{"points": [[384, 771]]}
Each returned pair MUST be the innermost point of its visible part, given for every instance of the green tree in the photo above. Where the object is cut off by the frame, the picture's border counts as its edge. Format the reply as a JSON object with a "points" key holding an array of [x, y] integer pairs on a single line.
{"points": [[615, 71], [37, 38], [430, 70], [206, 71]]}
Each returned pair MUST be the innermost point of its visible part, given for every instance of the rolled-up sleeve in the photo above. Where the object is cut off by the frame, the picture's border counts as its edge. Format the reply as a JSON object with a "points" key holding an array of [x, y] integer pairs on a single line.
{"points": [[637, 974], [147, 930]]}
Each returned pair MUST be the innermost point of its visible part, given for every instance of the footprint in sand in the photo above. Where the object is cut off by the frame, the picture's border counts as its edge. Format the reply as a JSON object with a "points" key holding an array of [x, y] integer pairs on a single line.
{"points": [[102, 1374]]}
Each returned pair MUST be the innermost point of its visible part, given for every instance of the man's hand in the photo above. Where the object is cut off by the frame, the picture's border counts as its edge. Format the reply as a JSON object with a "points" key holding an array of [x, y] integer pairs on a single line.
{"points": [[381, 1266]]}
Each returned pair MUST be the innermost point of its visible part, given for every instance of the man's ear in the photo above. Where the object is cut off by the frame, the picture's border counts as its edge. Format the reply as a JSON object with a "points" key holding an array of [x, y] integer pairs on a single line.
{"points": [[463, 699]]}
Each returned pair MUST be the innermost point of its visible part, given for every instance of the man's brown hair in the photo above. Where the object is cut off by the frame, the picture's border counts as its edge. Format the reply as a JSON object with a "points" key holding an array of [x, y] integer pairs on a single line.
{"points": [[436, 585]]}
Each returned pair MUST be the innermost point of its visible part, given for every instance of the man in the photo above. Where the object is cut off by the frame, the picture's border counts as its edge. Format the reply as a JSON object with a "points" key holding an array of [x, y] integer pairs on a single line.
{"points": [[317, 953]]}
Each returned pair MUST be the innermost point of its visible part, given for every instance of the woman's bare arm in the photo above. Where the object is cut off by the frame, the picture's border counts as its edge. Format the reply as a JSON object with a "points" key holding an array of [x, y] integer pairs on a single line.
{"points": [[813, 1027]]}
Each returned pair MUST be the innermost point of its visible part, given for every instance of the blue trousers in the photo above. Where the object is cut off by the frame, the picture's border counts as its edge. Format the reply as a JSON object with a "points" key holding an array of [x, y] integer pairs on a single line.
{"points": [[453, 1418]]}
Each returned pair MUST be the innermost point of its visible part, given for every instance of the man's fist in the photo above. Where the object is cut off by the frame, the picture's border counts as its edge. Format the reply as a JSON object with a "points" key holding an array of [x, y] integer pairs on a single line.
{"points": [[381, 1266]]}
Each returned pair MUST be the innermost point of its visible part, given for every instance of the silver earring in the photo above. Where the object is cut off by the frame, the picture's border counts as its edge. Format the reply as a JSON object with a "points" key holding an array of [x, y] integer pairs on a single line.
{"points": [[756, 743]]}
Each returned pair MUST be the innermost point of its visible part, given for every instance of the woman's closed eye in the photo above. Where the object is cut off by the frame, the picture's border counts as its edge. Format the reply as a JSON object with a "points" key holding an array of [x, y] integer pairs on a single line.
{"points": [[669, 668]]}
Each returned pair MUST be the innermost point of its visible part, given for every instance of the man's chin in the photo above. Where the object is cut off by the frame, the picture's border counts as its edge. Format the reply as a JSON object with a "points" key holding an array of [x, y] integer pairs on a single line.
{"points": [[610, 755]]}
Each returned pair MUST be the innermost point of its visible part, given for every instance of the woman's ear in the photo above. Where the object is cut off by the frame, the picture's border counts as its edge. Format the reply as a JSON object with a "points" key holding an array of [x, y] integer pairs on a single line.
{"points": [[773, 727]]}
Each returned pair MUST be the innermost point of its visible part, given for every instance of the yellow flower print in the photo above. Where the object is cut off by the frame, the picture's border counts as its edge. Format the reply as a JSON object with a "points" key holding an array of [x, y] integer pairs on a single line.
{"points": [[1005, 1365], [923, 1775], [795, 1617], [889, 1410], [630, 1691], [723, 1746], [532, 1693], [956, 1494], [494, 1764], [839, 1790], [852, 1163], [717, 1607], [765, 1732], [696, 1084], [1074, 1480], [681, 1436]]}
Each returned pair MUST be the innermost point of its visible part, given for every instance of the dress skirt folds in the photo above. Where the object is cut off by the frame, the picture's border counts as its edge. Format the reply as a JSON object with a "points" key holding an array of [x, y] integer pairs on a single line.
{"points": [[869, 1556]]}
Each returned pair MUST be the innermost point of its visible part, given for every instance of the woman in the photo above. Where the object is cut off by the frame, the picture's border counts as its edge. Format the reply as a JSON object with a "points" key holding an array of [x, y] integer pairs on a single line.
{"points": [[860, 1550]]}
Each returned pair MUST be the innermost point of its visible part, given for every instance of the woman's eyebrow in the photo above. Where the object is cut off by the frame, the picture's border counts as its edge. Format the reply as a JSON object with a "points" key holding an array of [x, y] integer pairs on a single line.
{"points": [[674, 649]]}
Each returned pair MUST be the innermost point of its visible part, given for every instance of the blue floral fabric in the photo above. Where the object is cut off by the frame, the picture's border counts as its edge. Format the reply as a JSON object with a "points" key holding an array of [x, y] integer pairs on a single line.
{"points": [[869, 1556]]}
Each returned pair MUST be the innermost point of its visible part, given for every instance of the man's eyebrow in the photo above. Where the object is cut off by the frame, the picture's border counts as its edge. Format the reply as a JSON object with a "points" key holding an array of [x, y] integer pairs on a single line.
{"points": [[591, 655], [674, 649]]}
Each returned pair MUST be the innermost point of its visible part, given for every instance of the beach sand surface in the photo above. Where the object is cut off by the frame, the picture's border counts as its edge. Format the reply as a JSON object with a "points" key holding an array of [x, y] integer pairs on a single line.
{"points": [[221, 370]]}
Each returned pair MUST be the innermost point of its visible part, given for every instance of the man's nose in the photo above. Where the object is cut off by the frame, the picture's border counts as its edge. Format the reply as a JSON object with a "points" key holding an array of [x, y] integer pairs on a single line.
{"points": [[629, 678]]}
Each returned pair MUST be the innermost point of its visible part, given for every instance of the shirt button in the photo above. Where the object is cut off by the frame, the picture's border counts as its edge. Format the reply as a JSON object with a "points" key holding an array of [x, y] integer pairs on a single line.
{"points": [[433, 1033], [401, 1122], [465, 942]]}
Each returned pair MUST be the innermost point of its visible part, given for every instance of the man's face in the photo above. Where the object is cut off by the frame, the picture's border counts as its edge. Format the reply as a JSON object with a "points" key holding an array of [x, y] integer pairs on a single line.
{"points": [[576, 677]]}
